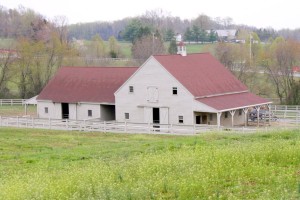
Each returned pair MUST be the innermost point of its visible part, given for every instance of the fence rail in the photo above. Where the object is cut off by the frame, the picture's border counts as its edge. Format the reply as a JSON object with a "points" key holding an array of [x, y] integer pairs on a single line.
{"points": [[117, 127], [12, 102]]}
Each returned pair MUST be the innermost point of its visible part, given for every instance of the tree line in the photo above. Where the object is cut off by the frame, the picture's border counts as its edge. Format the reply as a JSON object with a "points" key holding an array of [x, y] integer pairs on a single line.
{"points": [[41, 46]]}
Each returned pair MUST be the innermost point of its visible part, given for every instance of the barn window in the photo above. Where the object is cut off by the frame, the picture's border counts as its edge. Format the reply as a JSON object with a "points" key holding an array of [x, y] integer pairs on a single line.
{"points": [[226, 114], [240, 111], [131, 89], [46, 110], [126, 115], [90, 113], [180, 119], [175, 90]]}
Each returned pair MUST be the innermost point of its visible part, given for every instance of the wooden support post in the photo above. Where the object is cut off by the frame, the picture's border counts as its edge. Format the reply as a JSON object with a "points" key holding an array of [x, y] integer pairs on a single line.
{"points": [[232, 112], [257, 114], [270, 112], [245, 110], [219, 114]]}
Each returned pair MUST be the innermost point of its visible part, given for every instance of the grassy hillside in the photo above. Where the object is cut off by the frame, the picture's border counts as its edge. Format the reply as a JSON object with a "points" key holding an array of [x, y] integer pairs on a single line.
{"points": [[43, 164], [6, 43]]}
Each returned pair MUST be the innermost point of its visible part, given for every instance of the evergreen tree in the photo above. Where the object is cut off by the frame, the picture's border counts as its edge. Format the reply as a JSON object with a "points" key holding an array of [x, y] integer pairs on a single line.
{"points": [[173, 47]]}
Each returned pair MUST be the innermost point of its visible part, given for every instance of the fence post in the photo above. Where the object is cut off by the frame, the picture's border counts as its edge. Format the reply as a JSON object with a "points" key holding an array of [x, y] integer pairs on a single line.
{"points": [[17, 121], [50, 123], [104, 127], [11, 102], [172, 128], [67, 125], [148, 127], [125, 128], [0, 121], [32, 122]]}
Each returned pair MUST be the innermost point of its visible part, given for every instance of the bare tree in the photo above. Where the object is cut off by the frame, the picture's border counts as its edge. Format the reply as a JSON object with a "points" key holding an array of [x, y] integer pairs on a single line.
{"points": [[6, 61], [279, 58], [143, 48]]}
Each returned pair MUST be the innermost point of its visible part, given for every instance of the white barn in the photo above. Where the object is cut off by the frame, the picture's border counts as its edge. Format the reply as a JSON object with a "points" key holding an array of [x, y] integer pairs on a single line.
{"points": [[192, 89], [166, 89]]}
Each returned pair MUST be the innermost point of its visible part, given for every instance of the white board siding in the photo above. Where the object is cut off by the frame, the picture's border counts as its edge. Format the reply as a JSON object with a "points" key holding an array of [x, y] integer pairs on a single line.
{"points": [[54, 110], [73, 111], [152, 75], [164, 115], [82, 111], [148, 115]]}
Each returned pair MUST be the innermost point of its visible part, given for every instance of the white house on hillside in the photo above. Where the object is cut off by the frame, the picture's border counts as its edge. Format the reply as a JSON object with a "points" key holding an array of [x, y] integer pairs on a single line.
{"points": [[166, 89]]}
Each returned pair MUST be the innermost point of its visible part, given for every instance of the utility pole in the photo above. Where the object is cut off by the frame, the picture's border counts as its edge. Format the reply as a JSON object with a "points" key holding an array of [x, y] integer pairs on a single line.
{"points": [[250, 50], [152, 43]]}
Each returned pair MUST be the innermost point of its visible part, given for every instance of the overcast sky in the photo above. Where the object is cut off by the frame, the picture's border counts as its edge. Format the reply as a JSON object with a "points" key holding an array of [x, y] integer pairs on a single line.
{"points": [[260, 13]]}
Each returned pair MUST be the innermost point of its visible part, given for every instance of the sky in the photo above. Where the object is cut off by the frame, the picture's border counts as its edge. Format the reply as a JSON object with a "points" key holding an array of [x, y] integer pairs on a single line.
{"points": [[277, 14]]}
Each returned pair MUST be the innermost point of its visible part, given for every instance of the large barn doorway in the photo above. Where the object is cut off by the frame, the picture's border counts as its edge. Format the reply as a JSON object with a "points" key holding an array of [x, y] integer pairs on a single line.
{"points": [[108, 112], [156, 116], [198, 119], [65, 110]]}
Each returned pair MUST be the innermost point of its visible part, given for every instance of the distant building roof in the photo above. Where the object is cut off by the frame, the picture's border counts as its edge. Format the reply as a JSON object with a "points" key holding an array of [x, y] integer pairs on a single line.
{"points": [[296, 69], [86, 84], [226, 33]]}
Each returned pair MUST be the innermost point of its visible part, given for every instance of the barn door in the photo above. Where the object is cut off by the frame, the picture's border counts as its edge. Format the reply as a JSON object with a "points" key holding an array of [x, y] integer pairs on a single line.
{"points": [[147, 115], [164, 115], [65, 110], [152, 94]]}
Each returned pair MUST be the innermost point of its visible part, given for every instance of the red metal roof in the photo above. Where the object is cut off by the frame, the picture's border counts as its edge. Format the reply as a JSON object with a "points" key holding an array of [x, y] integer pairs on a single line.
{"points": [[201, 74], [296, 69], [231, 101], [86, 84]]}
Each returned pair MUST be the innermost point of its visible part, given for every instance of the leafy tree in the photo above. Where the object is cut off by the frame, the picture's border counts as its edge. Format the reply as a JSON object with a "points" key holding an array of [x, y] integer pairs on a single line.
{"points": [[98, 47], [114, 48], [203, 36], [188, 35], [196, 33], [136, 30], [212, 37], [172, 47], [170, 34], [294, 94]]}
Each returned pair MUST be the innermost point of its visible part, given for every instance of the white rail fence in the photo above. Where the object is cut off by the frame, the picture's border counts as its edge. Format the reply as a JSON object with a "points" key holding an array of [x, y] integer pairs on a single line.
{"points": [[12, 102], [117, 127], [287, 117]]}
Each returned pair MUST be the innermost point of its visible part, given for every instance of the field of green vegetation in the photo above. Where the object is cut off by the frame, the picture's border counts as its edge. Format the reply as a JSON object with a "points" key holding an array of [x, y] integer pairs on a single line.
{"points": [[43, 164]]}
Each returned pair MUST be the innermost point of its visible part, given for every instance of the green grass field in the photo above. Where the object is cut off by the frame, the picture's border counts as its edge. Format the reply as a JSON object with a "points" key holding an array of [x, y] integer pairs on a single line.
{"points": [[43, 164]]}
